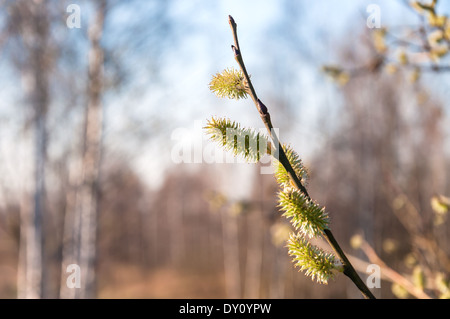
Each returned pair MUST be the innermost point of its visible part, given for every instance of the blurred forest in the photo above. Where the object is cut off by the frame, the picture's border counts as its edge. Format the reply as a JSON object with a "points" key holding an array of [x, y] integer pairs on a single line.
{"points": [[87, 174]]}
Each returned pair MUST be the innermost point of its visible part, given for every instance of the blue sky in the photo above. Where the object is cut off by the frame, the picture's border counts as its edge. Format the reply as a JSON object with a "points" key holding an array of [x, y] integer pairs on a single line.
{"points": [[198, 56]]}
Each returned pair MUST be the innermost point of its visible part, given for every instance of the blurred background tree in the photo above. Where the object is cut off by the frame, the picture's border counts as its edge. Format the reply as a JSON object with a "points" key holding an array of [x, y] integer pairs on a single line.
{"points": [[376, 148]]}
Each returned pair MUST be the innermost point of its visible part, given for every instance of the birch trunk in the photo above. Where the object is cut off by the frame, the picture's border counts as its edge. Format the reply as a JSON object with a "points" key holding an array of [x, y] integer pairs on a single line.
{"points": [[34, 29], [88, 196]]}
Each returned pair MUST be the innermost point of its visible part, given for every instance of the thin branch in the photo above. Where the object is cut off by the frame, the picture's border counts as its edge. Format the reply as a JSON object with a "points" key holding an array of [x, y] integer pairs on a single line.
{"points": [[391, 274], [349, 271]]}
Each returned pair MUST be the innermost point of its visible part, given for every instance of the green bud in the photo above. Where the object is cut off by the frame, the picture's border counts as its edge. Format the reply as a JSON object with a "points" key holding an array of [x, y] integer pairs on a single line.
{"points": [[316, 263]]}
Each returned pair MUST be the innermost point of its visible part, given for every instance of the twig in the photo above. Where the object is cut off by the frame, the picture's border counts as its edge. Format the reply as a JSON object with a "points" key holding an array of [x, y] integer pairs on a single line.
{"points": [[349, 271]]}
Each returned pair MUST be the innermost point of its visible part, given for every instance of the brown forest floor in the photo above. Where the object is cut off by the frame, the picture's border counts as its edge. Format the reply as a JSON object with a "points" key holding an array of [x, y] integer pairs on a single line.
{"points": [[128, 281]]}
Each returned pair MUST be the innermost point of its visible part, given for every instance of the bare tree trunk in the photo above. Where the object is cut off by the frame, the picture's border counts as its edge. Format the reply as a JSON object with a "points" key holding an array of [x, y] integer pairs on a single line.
{"points": [[81, 220], [279, 269], [31, 257], [34, 230], [34, 29], [254, 257], [70, 241], [22, 264], [231, 255], [175, 208]]}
